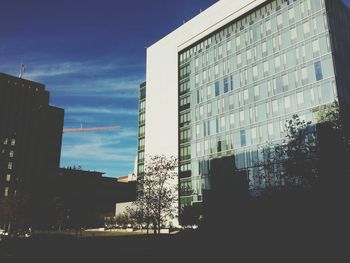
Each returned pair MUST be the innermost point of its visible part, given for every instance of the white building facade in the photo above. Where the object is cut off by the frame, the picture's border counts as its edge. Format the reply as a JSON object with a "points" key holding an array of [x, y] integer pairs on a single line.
{"points": [[225, 82]]}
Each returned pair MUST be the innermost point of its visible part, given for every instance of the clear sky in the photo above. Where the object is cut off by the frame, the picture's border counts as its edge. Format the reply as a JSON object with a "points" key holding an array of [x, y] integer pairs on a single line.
{"points": [[91, 56]]}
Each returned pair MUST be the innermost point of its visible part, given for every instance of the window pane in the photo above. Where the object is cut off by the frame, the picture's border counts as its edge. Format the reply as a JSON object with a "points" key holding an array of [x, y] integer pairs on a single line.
{"points": [[318, 71]]}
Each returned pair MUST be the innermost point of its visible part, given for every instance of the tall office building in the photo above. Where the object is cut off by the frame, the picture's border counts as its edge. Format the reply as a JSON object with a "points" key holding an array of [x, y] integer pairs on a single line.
{"points": [[224, 83], [30, 137]]}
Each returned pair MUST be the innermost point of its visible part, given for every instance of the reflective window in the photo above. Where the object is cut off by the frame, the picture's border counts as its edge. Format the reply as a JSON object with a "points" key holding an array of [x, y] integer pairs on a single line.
{"points": [[318, 71]]}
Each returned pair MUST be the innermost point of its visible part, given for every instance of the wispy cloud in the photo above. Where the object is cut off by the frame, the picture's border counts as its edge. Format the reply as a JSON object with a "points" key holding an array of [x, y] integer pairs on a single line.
{"points": [[43, 69], [100, 150], [117, 87], [53, 70], [100, 110]]}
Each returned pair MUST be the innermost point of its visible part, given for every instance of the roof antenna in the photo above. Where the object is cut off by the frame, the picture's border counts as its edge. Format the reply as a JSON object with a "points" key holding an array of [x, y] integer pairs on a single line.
{"points": [[21, 71]]}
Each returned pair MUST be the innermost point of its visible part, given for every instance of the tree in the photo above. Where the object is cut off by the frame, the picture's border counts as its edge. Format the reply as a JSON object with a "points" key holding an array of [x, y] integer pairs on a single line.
{"points": [[122, 219], [13, 212], [158, 200], [292, 163], [191, 215], [59, 212]]}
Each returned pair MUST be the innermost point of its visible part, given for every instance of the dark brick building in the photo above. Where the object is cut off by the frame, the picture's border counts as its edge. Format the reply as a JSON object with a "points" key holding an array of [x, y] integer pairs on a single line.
{"points": [[30, 138], [86, 197]]}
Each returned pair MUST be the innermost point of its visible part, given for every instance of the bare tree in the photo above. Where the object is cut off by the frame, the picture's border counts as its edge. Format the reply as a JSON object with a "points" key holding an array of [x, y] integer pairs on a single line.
{"points": [[291, 163], [158, 199]]}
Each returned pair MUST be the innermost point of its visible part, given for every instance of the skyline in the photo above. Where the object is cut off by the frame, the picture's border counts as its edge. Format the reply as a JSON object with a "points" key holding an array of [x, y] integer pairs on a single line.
{"points": [[92, 58]]}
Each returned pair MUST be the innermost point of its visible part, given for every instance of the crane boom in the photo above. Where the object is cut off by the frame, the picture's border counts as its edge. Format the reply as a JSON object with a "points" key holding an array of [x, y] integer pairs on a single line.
{"points": [[81, 129]]}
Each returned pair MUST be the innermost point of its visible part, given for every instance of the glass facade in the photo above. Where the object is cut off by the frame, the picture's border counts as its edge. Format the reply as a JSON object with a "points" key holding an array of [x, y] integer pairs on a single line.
{"points": [[141, 135], [239, 85]]}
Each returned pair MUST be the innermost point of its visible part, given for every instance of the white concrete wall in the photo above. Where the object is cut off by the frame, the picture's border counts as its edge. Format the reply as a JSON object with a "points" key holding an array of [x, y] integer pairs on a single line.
{"points": [[162, 72]]}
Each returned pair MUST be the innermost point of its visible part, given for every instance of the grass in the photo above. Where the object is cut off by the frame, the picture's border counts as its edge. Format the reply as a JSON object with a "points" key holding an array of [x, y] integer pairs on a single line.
{"points": [[85, 234]]}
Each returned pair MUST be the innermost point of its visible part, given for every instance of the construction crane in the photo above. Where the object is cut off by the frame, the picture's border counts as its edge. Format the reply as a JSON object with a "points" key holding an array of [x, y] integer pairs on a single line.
{"points": [[81, 129]]}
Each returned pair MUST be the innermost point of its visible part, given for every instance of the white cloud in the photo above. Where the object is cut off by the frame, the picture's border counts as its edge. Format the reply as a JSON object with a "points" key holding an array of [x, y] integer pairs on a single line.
{"points": [[99, 147], [52, 70], [100, 110]]}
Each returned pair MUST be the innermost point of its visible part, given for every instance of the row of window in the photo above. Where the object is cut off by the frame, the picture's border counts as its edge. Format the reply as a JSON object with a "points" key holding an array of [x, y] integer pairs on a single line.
{"points": [[266, 110], [285, 82], [263, 19], [265, 48], [255, 99], [142, 106], [245, 72], [6, 141]]}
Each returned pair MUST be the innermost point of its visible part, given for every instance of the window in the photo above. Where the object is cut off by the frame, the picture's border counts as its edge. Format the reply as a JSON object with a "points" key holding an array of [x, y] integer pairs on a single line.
{"points": [[293, 34], [232, 119], [239, 60], [270, 129], [11, 154], [279, 20], [223, 123], [217, 88], [291, 15], [13, 142], [274, 43], [256, 91], [316, 47], [8, 177], [296, 76], [277, 63], [216, 70], [284, 61], [241, 116], [245, 95], [268, 27], [229, 46], [274, 106], [196, 62], [225, 85], [306, 28], [254, 134], [243, 138], [238, 42], [287, 104], [9, 165], [255, 72], [219, 148], [318, 71], [197, 79], [264, 48], [300, 98], [204, 76], [231, 80], [6, 192], [5, 141], [209, 109], [249, 55], [266, 68], [209, 92], [304, 75], [285, 82]]}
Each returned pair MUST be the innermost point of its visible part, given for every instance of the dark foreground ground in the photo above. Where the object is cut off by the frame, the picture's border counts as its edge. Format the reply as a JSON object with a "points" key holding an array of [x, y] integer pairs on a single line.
{"points": [[183, 247]]}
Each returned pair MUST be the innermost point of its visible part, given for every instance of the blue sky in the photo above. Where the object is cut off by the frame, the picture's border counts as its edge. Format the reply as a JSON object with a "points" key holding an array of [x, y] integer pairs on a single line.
{"points": [[91, 56]]}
